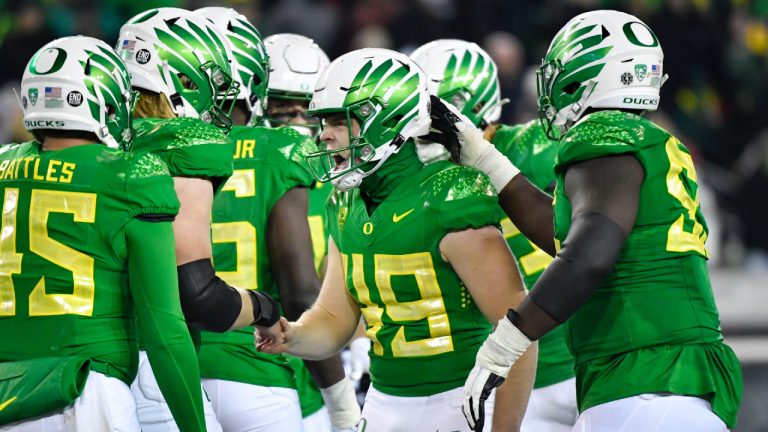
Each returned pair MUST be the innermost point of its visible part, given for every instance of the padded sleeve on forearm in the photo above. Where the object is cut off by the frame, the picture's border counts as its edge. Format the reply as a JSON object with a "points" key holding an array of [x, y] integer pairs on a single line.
{"points": [[207, 301], [153, 284]]}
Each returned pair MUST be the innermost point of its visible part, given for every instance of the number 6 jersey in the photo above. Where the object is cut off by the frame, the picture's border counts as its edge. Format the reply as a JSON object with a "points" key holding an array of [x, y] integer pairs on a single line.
{"points": [[652, 325]]}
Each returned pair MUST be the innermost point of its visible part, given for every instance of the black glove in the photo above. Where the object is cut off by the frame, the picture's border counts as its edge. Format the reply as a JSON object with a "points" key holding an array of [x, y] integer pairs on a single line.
{"points": [[443, 129]]}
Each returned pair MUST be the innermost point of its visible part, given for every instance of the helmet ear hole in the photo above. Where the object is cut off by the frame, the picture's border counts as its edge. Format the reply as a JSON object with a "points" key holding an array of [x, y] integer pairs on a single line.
{"points": [[572, 87], [111, 112], [187, 82]]}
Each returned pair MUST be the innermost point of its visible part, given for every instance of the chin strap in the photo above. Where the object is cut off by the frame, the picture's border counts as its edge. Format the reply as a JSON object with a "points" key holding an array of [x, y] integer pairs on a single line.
{"points": [[565, 118]]}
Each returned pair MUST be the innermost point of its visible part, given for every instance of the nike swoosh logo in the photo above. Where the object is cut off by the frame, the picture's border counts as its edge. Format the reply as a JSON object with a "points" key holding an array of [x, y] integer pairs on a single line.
{"points": [[397, 218], [8, 402]]}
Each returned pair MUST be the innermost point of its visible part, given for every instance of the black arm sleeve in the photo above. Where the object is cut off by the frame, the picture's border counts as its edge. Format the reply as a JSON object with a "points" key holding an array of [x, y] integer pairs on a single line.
{"points": [[604, 195], [210, 304]]}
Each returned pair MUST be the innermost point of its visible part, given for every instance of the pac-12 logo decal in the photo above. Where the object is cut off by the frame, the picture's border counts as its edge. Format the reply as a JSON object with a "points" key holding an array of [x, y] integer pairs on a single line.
{"points": [[32, 95]]}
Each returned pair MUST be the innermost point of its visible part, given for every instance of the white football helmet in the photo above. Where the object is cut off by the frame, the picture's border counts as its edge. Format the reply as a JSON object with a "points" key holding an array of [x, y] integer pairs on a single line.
{"points": [[463, 74], [599, 59], [296, 63], [181, 55], [386, 92], [78, 83], [250, 60]]}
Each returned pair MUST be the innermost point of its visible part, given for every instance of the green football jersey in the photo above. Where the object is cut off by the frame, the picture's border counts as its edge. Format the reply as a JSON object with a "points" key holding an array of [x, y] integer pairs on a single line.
{"points": [[528, 147], [652, 326], [189, 146], [63, 253], [268, 162], [424, 327], [318, 225]]}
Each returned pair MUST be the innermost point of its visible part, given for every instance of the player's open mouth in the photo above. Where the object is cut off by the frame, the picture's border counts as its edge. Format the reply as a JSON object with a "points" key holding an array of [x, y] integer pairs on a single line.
{"points": [[340, 161]]}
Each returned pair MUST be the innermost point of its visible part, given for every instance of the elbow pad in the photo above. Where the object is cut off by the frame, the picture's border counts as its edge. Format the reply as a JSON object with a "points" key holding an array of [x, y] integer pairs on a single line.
{"points": [[207, 301], [266, 311]]}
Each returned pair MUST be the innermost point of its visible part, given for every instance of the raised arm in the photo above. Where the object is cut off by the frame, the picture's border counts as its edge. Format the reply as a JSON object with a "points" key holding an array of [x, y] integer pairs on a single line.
{"points": [[484, 263], [291, 257], [152, 278], [527, 207], [208, 302]]}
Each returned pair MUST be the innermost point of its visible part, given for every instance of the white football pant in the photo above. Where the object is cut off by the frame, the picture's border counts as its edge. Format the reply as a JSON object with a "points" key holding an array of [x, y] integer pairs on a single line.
{"points": [[439, 412], [250, 408], [153, 411], [651, 413], [317, 422], [552, 408], [105, 405]]}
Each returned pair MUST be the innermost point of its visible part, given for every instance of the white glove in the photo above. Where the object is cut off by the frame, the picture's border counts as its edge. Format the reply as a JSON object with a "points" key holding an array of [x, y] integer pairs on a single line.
{"points": [[498, 353], [341, 401], [474, 150], [359, 362]]}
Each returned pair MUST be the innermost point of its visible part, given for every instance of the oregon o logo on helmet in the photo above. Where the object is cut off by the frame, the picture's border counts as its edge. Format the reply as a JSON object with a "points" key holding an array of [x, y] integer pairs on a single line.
{"points": [[635, 31], [641, 101], [143, 56], [46, 61], [74, 98]]}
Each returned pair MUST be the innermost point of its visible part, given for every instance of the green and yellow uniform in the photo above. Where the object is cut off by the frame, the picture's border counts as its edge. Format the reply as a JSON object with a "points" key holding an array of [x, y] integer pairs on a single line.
{"points": [[318, 225], [424, 327], [528, 147], [189, 146], [652, 326], [268, 163], [64, 264]]}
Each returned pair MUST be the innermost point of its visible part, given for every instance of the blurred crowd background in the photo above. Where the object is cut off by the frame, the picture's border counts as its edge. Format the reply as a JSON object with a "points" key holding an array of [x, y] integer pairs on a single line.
{"points": [[715, 101]]}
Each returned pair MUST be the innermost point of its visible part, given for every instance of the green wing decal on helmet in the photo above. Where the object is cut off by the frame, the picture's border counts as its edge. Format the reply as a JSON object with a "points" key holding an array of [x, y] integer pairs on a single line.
{"points": [[461, 75], [590, 64]]}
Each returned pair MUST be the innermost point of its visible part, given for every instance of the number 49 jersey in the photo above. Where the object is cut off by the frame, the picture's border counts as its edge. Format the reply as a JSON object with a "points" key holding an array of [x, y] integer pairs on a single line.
{"points": [[63, 270], [652, 326], [424, 326]]}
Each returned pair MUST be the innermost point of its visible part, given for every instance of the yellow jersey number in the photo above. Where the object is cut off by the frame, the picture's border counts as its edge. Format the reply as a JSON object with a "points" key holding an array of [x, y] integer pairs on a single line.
{"points": [[681, 178], [44, 202], [429, 307]]}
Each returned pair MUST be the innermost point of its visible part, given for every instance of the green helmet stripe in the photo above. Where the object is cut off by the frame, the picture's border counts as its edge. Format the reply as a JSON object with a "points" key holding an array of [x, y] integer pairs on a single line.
{"points": [[180, 50], [579, 62], [365, 78], [409, 81], [210, 40], [565, 40], [143, 17]]}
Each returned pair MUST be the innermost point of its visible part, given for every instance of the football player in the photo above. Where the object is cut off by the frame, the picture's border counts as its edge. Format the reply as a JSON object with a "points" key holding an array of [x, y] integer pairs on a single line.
{"points": [[262, 242], [295, 66], [181, 65], [465, 75], [404, 249], [630, 274], [87, 247]]}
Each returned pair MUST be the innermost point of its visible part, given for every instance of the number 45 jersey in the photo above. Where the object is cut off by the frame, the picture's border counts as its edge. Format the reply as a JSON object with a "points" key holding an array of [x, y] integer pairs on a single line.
{"points": [[63, 258], [424, 327], [652, 325]]}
